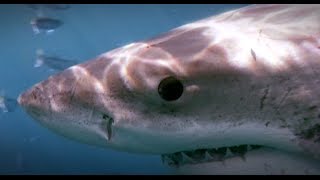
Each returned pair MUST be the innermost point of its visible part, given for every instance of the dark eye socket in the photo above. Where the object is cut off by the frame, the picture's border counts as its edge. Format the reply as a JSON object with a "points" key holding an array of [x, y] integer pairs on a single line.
{"points": [[170, 89]]}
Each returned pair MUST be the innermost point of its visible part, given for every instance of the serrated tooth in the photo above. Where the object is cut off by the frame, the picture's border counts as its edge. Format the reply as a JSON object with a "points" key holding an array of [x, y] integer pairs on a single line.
{"points": [[228, 153], [215, 156], [207, 156], [188, 153], [186, 159]]}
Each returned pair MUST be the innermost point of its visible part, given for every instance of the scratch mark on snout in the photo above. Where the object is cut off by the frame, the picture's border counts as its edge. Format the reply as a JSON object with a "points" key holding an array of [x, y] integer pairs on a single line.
{"points": [[264, 97], [73, 91], [253, 54], [283, 99]]}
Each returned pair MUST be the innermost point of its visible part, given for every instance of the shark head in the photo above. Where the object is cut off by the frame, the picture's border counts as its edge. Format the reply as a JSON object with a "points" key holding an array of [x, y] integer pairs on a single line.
{"points": [[240, 84]]}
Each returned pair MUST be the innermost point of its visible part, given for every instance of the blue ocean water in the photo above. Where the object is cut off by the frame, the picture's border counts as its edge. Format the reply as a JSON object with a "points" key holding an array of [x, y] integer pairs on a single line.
{"points": [[87, 31]]}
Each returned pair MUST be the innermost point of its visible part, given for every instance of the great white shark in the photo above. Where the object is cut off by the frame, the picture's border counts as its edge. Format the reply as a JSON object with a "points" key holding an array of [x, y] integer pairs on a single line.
{"points": [[235, 93]]}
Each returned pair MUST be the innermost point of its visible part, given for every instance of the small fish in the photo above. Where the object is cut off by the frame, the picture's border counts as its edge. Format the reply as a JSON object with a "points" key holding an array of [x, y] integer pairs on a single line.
{"points": [[49, 6], [31, 139], [33, 6], [57, 6], [45, 24], [7, 104], [54, 63]]}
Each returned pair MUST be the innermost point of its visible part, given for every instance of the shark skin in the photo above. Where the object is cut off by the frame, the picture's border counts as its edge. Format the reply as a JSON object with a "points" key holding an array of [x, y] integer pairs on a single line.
{"points": [[250, 78]]}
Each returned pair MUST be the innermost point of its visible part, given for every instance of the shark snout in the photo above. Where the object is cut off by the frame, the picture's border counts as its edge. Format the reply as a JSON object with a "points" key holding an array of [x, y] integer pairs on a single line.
{"points": [[32, 98]]}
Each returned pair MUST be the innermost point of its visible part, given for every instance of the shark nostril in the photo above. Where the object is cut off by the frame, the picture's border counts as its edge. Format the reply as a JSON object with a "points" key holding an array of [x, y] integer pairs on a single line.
{"points": [[23, 99], [34, 97]]}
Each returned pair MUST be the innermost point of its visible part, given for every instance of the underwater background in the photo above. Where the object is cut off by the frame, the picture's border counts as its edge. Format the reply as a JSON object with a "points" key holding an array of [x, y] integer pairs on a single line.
{"points": [[86, 32]]}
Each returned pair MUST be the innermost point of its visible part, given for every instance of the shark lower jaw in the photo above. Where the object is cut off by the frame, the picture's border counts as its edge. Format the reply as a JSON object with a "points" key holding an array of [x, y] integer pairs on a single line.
{"points": [[245, 152], [258, 161], [208, 155]]}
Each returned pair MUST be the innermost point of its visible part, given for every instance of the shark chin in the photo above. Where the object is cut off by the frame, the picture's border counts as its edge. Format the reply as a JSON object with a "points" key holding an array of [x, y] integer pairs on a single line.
{"points": [[235, 93]]}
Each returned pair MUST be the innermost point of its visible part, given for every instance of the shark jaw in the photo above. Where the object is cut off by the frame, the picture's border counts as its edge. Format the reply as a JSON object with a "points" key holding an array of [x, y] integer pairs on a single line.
{"points": [[261, 161]]}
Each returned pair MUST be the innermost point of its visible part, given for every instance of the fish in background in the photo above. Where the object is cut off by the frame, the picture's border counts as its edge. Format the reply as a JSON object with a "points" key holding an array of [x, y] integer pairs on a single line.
{"points": [[45, 24], [7, 104], [31, 139], [49, 6], [57, 6], [53, 62]]}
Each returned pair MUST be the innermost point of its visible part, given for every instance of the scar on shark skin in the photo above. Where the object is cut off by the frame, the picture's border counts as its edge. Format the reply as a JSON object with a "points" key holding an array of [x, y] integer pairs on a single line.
{"points": [[253, 55], [73, 90], [264, 97], [283, 99]]}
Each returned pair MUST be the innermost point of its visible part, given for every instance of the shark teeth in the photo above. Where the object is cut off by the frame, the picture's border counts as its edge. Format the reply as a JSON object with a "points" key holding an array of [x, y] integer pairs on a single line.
{"points": [[206, 155], [186, 158]]}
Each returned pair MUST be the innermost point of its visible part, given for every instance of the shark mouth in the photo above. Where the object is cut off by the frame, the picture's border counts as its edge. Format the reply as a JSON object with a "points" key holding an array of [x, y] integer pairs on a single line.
{"points": [[207, 155]]}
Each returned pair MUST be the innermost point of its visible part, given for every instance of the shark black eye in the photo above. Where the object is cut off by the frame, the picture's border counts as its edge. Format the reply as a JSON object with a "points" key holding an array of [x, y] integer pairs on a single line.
{"points": [[170, 89]]}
